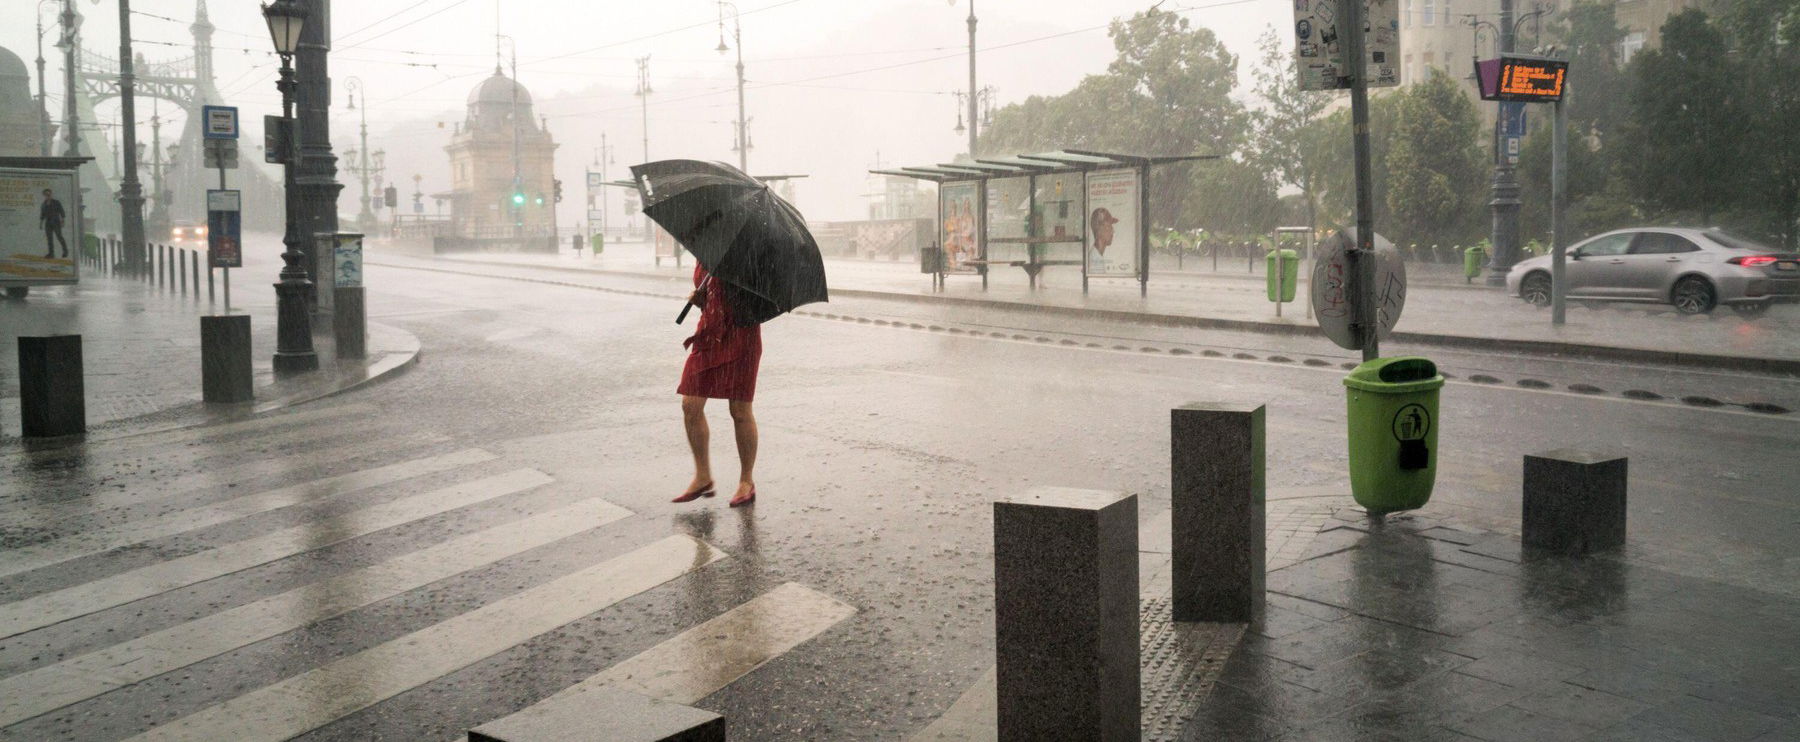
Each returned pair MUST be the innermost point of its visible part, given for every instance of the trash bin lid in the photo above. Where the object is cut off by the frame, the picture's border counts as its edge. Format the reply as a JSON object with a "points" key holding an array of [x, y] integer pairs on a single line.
{"points": [[1397, 375]]}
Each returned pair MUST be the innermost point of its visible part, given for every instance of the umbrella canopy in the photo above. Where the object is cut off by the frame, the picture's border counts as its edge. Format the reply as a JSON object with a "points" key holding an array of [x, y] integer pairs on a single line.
{"points": [[740, 231]]}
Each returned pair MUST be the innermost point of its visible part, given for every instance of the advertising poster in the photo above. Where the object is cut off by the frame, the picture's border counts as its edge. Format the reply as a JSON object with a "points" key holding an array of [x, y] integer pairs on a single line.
{"points": [[224, 229], [40, 233], [348, 257], [959, 215], [1059, 207], [1112, 223], [1319, 46], [1008, 206]]}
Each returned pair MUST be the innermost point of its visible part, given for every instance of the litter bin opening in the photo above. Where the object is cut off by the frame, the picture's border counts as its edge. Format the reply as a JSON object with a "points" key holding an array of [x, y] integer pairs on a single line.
{"points": [[1408, 369], [1398, 375]]}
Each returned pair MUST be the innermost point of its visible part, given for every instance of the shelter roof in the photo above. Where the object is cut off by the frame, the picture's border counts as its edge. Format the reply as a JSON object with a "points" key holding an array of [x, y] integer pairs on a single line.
{"points": [[1059, 161]]}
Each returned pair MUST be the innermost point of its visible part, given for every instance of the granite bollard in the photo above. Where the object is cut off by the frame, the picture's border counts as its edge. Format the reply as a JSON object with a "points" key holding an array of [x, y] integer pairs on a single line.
{"points": [[348, 323], [225, 375], [52, 398], [603, 714], [1574, 502], [1066, 615], [1216, 502]]}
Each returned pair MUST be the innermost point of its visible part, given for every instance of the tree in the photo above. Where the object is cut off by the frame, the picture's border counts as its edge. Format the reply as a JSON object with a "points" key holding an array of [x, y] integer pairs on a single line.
{"points": [[1767, 38], [1435, 167], [1288, 112], [1683, 142]]}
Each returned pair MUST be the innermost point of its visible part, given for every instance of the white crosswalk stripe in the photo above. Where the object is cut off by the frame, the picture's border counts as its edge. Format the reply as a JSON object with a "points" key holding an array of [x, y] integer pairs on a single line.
{"points": [[79, 600], [91, 541], [79, 678], [307, 701]]}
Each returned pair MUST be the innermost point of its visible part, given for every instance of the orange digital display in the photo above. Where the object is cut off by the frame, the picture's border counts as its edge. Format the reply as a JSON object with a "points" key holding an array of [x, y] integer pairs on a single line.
{"points": [[1527, 80]]}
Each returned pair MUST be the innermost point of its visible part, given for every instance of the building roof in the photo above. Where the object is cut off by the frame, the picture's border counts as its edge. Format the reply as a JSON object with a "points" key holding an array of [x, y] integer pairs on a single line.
{"points": [[499, 88]]}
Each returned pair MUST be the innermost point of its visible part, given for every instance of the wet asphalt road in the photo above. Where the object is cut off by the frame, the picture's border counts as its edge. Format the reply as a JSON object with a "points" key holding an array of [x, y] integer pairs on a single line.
{"points": [[882, 446]]}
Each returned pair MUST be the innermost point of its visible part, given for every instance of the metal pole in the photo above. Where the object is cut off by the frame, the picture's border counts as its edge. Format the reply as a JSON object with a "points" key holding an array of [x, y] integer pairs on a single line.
{"points": [[293, 333], [604, 153], [131, 193], [317, 175], [974, 124], [71, 118], [43, 111], [1559, 143], [1362, 257], [643, 92], [1505, 185]]}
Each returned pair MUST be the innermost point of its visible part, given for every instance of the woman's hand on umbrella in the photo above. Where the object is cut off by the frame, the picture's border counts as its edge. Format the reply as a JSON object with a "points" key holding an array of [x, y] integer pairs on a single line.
{"points": [[698, 298]]}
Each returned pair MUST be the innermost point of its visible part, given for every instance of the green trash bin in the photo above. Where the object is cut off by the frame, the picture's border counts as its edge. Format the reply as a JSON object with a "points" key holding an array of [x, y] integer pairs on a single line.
{"points": [[1472, 260], [1393, 411], [1289, 274]]}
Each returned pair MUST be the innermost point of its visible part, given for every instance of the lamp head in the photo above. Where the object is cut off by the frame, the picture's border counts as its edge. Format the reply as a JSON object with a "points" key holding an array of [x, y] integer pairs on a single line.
{"points": [[285, 19]]}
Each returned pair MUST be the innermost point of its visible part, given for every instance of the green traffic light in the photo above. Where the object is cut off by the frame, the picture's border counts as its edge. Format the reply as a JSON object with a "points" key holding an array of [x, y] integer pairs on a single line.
{"points": [[518, 198]]}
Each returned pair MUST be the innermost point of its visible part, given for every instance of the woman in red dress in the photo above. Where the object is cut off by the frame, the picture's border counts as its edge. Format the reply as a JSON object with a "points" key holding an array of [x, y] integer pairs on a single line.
{"points": [[722, 362]]}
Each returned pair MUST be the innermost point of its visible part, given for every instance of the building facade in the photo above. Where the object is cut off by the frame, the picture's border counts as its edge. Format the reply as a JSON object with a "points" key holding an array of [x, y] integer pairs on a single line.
{"points": [[502, 162], [20, 116]]}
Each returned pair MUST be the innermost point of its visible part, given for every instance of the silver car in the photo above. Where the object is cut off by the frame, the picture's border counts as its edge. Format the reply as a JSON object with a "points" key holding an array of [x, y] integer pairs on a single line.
{"points": [[1696, 270]]}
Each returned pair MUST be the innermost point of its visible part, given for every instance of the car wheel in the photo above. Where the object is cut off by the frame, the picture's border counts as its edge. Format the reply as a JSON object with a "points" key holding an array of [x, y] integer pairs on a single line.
{"points": [[1751, 311], [1535, 290], [17, 292], [1693, 295]]}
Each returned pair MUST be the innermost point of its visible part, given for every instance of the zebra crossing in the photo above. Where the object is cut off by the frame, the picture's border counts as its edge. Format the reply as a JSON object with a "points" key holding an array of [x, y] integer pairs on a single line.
{"points": [[512, 512]]}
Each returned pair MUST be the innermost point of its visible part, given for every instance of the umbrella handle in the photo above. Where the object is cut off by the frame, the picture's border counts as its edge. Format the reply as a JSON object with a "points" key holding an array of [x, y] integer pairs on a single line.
{"points": [[684, 312]]}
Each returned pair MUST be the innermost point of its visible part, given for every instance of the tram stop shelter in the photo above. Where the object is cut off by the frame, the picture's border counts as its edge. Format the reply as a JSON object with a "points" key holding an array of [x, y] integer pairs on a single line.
{"points": [[1069, 207]]}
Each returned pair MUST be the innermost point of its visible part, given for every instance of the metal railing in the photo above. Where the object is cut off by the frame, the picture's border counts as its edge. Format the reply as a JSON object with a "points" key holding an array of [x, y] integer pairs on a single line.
{"points": [[171, 268]]}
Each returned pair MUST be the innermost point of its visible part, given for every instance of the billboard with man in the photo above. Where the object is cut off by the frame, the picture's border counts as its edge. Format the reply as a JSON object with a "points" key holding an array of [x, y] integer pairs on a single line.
{"points": [[40, 227]]}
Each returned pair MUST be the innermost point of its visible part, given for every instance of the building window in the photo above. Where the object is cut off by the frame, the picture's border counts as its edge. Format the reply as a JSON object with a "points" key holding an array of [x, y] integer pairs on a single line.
{"points": [[1630, 46], [1406, 69], [1430, 59], [1428, 16], [1406, 14]]}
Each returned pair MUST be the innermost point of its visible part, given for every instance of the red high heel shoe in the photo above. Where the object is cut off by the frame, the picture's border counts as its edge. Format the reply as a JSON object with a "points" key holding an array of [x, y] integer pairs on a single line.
{"points": [[706, 491], [748, 499]]}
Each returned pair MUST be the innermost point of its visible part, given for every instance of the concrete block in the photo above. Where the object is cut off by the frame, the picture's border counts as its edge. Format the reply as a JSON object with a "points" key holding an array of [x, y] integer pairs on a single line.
{"points": [[1574, 502], [225, 375], [1217, 512], [1066, 615], [52, 397], [603, 715], [348, 322]]}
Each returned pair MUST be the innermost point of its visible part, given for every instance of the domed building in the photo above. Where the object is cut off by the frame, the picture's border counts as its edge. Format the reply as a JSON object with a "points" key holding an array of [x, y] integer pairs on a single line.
{"points": [[502, 170], [19, 113]]}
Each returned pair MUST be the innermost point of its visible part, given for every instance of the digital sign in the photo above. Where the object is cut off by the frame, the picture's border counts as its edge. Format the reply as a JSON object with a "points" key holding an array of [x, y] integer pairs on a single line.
{"points": [[1522, 79]]}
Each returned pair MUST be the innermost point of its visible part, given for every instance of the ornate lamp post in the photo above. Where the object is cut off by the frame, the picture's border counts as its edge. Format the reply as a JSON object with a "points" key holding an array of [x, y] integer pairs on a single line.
{"points": [[293, 342], [364, 218], [737, 42]]}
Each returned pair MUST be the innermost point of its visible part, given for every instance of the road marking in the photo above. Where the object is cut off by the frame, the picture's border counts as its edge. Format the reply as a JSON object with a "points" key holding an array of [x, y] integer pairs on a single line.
{"points": [[310, 700], [183, 435], [972, 718], [695, 663], [61, 605], [77, 679], [87, 542], [28, 510]]}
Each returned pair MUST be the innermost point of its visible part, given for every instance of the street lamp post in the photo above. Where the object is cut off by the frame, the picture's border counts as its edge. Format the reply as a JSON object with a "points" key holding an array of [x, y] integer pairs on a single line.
{"points": [[364, 217], [1504, 188], [974, 106], [293, 345], [43, 111], [737, 41], [131, 192]]}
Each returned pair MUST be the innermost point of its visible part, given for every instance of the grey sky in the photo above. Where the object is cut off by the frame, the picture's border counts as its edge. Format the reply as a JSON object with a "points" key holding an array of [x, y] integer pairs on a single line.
{"points": [[831, 82]]}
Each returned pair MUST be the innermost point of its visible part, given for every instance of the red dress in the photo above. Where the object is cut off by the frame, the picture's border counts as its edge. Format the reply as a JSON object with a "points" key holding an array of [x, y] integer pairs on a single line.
{"points": [[722, 357]]}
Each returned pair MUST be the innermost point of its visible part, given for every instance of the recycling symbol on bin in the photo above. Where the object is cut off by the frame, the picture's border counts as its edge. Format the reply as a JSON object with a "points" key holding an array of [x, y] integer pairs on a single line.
{"points": [[1411, 423]]}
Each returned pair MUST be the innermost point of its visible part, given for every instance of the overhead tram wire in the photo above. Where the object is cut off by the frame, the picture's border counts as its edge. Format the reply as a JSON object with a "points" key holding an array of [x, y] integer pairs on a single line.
{"points": [[408, 24], [384, 19]]}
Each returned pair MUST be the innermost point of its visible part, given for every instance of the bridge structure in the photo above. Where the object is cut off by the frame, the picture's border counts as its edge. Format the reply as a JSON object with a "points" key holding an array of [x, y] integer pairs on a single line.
{"points": [[189, 84]]}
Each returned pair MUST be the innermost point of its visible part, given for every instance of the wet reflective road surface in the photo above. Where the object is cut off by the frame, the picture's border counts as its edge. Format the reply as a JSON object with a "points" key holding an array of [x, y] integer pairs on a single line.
{"points": [[418, 557]]}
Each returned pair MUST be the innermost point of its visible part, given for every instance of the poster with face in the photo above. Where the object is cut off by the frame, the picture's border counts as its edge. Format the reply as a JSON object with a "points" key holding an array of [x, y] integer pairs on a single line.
{"points": [[1112, 223], [959, 219], [40, 227]]}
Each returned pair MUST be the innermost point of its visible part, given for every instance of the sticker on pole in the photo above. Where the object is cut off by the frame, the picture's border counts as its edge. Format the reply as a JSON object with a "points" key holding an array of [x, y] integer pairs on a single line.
{"points": [[1319, 44], [1332, 284]]}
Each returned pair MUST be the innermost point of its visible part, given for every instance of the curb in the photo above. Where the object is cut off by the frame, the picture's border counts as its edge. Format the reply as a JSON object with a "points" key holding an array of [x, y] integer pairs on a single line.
{"points": [[1619, 353]]}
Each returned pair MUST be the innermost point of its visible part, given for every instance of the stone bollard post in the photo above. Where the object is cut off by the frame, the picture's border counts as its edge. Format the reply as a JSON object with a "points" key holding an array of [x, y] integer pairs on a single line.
{"points": [[1066, 615], [225, 375], [348, 322], [1217, 511], [52, 401], [1574, 502]]}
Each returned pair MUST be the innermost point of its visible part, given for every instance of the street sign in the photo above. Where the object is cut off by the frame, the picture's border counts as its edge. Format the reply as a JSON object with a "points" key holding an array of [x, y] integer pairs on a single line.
{"points": [[1319, 50], [224, 229], [220, 154], [1332, 283], [594, 180], [275, 138], [596, 215], [1524, 79], [219, 122]]}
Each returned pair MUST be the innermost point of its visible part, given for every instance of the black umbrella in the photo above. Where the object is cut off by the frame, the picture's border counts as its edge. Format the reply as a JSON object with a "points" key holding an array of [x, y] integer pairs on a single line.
{"points": [[740, 231]]}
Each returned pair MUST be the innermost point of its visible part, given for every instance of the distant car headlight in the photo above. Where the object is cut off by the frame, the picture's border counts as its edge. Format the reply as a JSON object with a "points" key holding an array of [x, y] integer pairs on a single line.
{"points": [[176, 232], [199, 231]]}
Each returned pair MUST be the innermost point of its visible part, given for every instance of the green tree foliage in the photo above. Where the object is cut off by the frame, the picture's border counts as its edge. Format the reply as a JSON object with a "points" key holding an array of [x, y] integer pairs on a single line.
{"points": [[1434, 167], [1682, 143], [1166, 92], [1767, 41], [1283, 121]]}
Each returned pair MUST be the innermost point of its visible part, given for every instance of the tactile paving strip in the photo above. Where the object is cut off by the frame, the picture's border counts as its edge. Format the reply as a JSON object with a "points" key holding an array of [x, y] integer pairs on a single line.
{"points": [[1180, 663]]}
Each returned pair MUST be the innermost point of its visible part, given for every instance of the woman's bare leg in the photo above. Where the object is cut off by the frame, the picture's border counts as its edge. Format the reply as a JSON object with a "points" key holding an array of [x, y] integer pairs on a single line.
{"points": [[743, 422], [693, 415]]}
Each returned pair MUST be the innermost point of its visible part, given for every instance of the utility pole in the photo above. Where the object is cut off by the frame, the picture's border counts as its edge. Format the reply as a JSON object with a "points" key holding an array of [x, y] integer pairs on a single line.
{"points": [[43, 107], [131, 193], [71, 39], [1362, 256], [737, 40], [159, 214], [1505, 186], [973, 91], [317, 170], [643, 94]]}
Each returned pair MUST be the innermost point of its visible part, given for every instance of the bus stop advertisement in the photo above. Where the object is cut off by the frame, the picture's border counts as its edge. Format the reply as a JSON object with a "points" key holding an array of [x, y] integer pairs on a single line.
{"points": [[40, 223]]}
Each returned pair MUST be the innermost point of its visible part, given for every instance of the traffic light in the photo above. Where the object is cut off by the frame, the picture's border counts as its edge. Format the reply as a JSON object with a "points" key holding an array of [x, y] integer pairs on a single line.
{"points": [[391, 197], [539, 201], [558, 185], [518, 198]]}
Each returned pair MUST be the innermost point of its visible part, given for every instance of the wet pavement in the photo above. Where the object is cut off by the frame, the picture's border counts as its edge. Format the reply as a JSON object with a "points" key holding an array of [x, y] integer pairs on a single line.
{"points": [[413, 559]]}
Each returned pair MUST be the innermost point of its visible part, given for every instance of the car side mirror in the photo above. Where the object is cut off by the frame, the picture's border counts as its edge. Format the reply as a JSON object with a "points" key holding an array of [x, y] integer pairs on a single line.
{"points": [[1575, 255]]}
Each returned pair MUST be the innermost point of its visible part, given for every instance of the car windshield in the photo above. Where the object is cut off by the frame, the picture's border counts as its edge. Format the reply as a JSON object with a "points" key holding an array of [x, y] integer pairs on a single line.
{"points": [[1736, 242]]}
